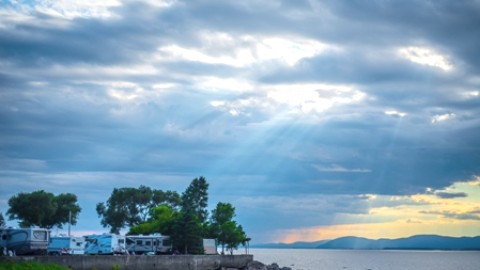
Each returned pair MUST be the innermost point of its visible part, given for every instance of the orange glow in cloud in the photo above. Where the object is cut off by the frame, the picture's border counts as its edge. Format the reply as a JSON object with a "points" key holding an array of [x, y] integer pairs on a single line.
{"points": [[455, 214], [396, 229]]}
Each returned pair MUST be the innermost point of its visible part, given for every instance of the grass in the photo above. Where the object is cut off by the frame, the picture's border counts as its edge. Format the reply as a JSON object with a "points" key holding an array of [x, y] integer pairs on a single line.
{"points": [[10, 265]]}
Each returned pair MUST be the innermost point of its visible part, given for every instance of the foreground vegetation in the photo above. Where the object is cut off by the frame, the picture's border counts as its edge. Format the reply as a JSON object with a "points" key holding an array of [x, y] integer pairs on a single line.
{"points": [[10, 265], [143, 210]]}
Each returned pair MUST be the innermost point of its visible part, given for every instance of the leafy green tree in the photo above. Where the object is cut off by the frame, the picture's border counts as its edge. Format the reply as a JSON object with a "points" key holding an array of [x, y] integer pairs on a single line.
{"points": [[161, 221], [195, 198], [43, 209], [132, 206], [232, 235], [224, 228], [223, 213]]}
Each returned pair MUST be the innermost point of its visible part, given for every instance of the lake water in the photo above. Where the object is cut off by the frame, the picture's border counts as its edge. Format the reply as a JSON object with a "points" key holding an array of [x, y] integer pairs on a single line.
{"points": [[315, 259]]}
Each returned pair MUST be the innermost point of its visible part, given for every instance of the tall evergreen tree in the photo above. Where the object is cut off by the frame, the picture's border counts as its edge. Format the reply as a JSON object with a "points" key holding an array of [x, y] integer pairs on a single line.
{"points": [[187, 232], [195, 198]]}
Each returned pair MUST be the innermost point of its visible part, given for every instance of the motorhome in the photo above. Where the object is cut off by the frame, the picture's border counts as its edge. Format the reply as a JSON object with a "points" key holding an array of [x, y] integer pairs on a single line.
{"points": [[105, 244], [66, 245], [149, 244], [24, 241]]}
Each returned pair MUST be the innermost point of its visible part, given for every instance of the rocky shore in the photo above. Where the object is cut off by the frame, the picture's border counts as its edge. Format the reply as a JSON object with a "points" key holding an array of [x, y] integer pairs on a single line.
{"points": [[256, 265]]}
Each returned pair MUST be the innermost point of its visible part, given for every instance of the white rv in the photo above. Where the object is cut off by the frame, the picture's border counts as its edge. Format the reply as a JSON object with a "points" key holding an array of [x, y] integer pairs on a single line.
{"points": [[24, 241], [66, 245], [149, 244], [105, 244]]}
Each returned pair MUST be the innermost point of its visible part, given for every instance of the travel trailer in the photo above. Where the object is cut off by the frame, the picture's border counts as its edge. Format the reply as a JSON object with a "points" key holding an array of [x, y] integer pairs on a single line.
{"points": [[66, 245], [149, 244], [24, 241], [105, 244]]}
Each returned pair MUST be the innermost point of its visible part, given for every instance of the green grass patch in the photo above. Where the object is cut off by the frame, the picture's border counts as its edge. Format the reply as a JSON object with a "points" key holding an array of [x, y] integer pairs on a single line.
{"points": [[11, 265]]}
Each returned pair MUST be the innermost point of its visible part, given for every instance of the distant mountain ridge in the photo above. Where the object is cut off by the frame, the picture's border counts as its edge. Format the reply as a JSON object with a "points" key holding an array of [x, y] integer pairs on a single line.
{"points": [[416, 242], [295, 245]]}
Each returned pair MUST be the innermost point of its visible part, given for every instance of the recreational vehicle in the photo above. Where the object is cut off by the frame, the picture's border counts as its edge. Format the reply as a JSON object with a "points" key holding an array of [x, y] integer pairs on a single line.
{"points": [[66, 245], [105, 244], [149, 244], [24, 241]]}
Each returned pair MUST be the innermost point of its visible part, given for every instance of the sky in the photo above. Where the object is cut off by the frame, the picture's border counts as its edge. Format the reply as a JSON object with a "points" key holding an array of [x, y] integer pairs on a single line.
{"points": [[315, 119]]}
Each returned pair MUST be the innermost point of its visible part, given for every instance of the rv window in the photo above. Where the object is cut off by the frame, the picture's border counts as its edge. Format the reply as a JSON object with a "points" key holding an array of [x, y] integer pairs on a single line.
{"points": [[4, 237], [129, 241], [148, 243], [139, 242], [40, 235], [121, 241], [79, 244]]}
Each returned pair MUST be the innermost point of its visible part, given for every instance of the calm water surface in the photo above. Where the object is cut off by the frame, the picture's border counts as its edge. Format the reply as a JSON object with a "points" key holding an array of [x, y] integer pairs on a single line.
{"points": [[314, 259]]}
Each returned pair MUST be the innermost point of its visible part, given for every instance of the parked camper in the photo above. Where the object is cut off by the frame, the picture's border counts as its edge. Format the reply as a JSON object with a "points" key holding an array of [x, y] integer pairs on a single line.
{"points": [[105, 244], [149, 244], [24, 241], [66, 245]]}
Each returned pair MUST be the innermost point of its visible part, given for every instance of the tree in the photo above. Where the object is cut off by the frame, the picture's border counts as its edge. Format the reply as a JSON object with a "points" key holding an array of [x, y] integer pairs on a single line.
{"points": [[161, 221], [187, 230], [224, 228], [2, 221], [232, 235], [132, 206], [195, 198], [43, 209]]}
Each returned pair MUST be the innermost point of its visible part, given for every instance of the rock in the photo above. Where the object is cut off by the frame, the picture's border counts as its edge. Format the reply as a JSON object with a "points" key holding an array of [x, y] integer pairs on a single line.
{"points": [[273, 266], [256, 265]]}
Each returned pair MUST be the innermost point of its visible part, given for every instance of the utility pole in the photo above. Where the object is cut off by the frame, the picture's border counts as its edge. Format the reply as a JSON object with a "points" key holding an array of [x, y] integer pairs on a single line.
{"points": [[69, 221]]}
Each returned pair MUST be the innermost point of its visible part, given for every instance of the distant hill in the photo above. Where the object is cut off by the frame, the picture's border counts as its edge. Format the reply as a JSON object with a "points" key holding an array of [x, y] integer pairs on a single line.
{"points": [[296, 245], [418, 242], [430, 242]]}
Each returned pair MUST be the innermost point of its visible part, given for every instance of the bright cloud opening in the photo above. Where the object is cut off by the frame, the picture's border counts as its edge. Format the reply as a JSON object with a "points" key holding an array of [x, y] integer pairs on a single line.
{"points": [[124, 91], [73, 9], [395, 113], [306, 98], [425, 56], [442, 117], [242, 51], [294, 99]]}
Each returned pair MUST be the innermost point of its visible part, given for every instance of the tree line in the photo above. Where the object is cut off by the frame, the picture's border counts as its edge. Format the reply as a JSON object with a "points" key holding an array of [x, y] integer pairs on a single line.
{"points": [[143, 210]]}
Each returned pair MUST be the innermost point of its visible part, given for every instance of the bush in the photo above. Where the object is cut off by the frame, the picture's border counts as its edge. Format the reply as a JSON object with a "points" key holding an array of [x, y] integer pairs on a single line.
{"points": [[11, 265]]}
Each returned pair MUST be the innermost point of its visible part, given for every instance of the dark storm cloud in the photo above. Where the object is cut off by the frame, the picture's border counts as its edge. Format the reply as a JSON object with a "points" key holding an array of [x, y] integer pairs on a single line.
{"points": [[105, 98], [450, 195]]}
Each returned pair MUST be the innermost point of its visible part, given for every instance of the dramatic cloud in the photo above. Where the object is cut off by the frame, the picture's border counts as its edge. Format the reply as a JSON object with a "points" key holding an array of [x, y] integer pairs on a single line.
{"points": [[278, 105]]}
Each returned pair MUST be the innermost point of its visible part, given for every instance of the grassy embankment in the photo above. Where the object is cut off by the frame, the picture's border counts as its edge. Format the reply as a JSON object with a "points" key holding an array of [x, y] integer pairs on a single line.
{"points": [[10, 265]]}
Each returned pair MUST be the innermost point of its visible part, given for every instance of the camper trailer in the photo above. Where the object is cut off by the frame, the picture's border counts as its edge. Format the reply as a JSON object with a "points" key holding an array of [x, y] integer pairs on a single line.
{"points": [[24, 241], [149, 244], [105, 244], [66, 245]]}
